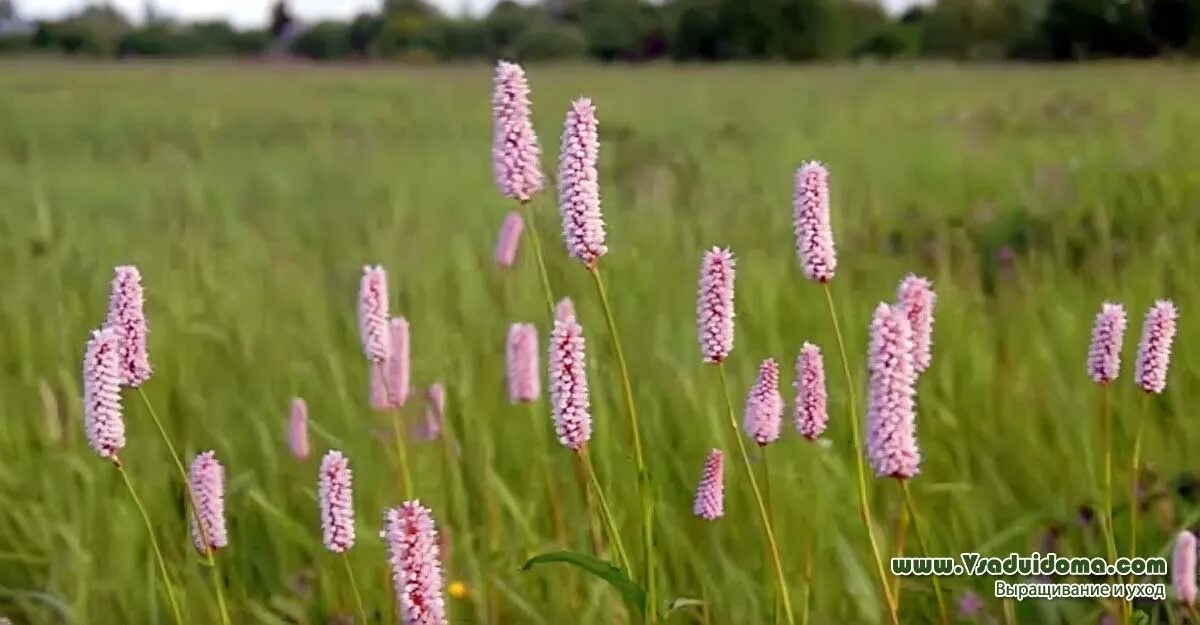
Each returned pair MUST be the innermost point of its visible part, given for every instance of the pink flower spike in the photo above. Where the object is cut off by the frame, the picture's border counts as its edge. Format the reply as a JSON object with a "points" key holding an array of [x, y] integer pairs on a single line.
{"points": [[1154, 350], [916, 298], [714, 305], [814, 235], [298, 429], [1104, 354], [102, 421], [1183, 568], [565, 309], [812, 413], [414, 555], [335, 494], [524, 384], [891, 421], [710, 492], [764, 405], [579, 184], [435, 412], [373, 314], [509, 239], [397, 365], [515, 152], [207, 483], [126, 315], [569, 400]]}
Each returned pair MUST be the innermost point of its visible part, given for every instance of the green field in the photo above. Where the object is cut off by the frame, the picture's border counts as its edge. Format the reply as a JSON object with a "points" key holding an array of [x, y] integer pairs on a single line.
{"points": [[250, 197]]}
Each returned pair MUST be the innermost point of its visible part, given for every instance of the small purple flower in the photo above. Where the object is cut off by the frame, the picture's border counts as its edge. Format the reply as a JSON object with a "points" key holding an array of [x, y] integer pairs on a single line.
{"points": [[207, 482], [891, 420], [812, 413], [336, 497], [710, 492], [579, 184], [814, 234], [764, 405], [1154, 350], [714, 305], [1104, 353]]}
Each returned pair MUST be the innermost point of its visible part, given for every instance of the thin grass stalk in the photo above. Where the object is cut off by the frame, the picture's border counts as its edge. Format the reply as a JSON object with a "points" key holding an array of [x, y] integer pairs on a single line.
{"points": [[362, 611], [556, 515], [531, 228], [448, 440], [910, 504], [493, 530], [1135, 503], [1106, 443], [610, 522], [766, 465], [162, 563], [898, 548], [864, 505]]}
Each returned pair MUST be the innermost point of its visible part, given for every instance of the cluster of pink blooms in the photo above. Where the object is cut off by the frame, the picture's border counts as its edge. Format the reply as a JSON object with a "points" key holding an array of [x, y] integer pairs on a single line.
{"points": [[579, 184], [891, 418], [1183, 568], [567, 381], [812, 414], [810, 221], [763, 417], [710, 492], [509, 239], [390, 379], [373, 314], [565, 309], [102, 421], [207, 483], [1104, 353], [916, 298], [335, 495], [714, 305], [412, 542], [515, 152], [524, 384], [298, 429], [435, 412], [127, 317], [1154, 350]]}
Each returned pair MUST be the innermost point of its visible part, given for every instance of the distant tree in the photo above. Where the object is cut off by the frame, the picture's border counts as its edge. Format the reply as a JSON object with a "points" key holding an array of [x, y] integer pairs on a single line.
{"points": [[324, 41], [281, 19], [1175, 24]]}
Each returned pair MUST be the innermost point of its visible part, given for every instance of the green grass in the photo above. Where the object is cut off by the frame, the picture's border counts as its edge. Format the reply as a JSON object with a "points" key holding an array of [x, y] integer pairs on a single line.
{"points": [[250, 196]]}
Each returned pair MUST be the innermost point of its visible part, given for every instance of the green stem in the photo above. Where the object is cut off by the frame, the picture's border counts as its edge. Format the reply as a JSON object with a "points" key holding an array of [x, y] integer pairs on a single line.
{"points": [[162, 563], [401, 449], [1135, 503], [493, 531], [536, 241], [766, 465], [214, 574], [648, 574], [610, 522], [556, 515], [764, 516], [1106, 444], [943, 614], [864, 506], [362, 611]]}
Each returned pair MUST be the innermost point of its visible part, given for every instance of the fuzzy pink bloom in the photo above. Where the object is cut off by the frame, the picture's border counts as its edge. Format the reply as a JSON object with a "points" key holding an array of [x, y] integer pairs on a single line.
{"points": [[764, 405], [207, 482], [891, 420], [710, 492], [565, 309], [412, 542], [398, 364], [812, 413], [1104, 354], [714, 304], [373, 314], [1183, 568], [435, 412], [810, 221], [524, 384], [298, 429], [569, 400], [515, 153], [126, 315], [335, 494], [579, 184], [102, 421], [509, 239], [916, 298], [1154, 350]]}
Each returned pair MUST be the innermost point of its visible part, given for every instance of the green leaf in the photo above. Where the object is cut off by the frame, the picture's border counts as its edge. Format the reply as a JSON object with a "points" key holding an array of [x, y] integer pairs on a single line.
{"points": [[633, 595], [680, 603]]}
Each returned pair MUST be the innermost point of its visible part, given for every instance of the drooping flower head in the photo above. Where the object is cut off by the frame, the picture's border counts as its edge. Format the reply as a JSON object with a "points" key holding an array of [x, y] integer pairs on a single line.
{"points": [[298, 429], [373, 314], [710, 492], [524, 383], [127, 316], [435, 412], [102, 421], [810, 221], [515, 152], [335, 495], [764, 405], [569, 401], [565, 309], [891, 419], [579, 184], [916, 298], [1104, 354], [414, 556], [509, 239], [1154, 350], [207, 483], [1183, 568], [714, 305], [812, 413]]}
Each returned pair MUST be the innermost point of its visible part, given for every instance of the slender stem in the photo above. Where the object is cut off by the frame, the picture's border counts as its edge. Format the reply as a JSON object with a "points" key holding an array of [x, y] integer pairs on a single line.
{"points": [[191, 501], [556, 515], [162, 564], [493, 531], [362, 612], [766, 465], [406, 483], [531, 227], [764, 516], [614, 535], [808, 575], [943, 614], [648, 574], [1106, 449], [898, 548], [864, 506], [1135, 501]]}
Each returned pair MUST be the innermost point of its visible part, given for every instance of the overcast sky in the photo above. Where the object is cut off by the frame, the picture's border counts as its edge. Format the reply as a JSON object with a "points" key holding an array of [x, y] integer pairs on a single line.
{"points": [[253, 13]]}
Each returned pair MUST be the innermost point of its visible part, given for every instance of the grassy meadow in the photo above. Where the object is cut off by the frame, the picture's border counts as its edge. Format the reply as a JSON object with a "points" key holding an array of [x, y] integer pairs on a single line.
{"points": [[251, 196]]}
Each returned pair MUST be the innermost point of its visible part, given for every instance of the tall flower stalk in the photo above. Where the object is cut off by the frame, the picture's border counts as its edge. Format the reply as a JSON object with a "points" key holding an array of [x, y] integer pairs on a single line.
{"points": [[335, 498], [1150, 375], [1103, 365]]}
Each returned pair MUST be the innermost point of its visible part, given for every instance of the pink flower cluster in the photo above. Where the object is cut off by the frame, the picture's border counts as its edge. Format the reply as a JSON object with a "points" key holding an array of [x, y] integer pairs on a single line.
{"points": [[1104, 353], [579, 184], [390, 380], [810, 222], [891, 418], [102, 421], [335, 495], [524, 383], [207, 483], [412, 541], [763, 417], [515, 153], [710, 492], [298, 429], [509, 239], [1154, 350], [812, 414], [714, 305], [126, 315], [373, 314], [916, 298], [569, 400], [1183, 568]]}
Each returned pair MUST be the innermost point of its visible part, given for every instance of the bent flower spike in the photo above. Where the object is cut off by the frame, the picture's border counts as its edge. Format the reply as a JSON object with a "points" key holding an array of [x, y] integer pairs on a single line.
{"points": [[579, 184], [891, 419], [524, 383], [335, 495], [810, 222], [415, 560], [298, 429], [102, 421], [710, 492], [764, 405], [373, 314], [509, 239], [569, 400], [515, 153], [1154, 350], [207, 482], [714, 305], [916, 298], [812, 413], [1104, 353], [127, 316]]}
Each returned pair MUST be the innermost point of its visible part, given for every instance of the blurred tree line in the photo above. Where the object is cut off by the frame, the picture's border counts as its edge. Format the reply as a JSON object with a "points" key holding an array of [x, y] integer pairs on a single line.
{"points": [[636, 30]]}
